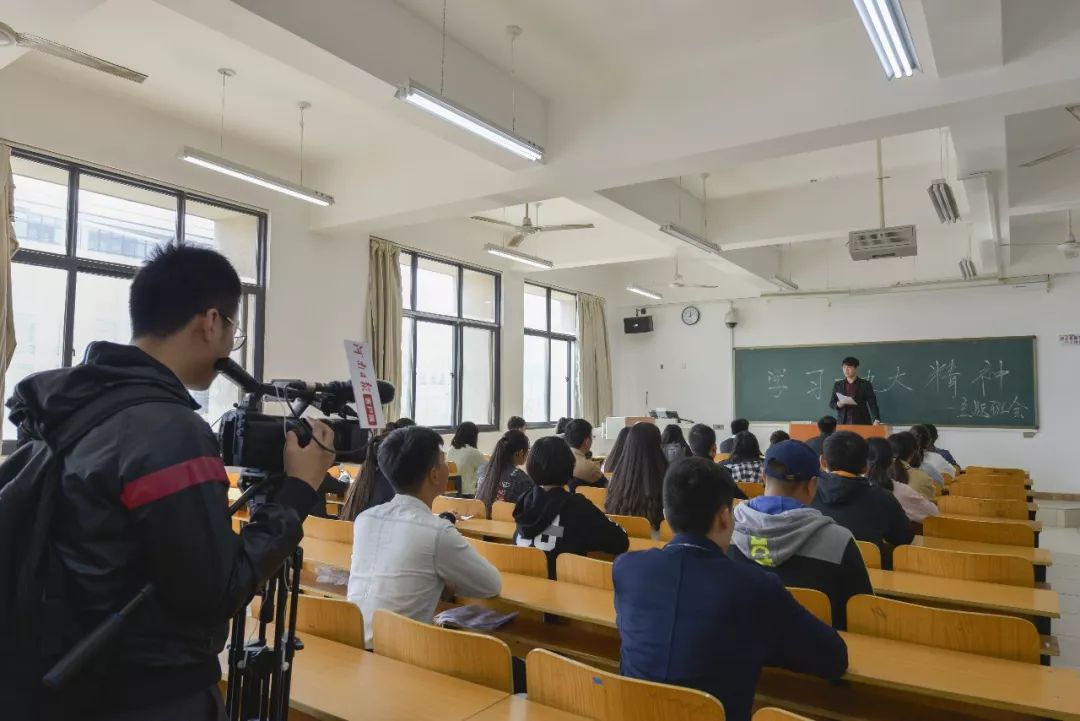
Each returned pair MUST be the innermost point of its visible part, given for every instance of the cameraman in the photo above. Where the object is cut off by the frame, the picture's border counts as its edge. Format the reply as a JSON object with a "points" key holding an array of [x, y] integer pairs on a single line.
{"points": [[143, 499]]}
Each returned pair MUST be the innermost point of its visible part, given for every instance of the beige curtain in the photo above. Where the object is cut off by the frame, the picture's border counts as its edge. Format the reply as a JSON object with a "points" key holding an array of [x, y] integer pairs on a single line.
{"points": [[594, 362], [8, 246], [384, 316]]}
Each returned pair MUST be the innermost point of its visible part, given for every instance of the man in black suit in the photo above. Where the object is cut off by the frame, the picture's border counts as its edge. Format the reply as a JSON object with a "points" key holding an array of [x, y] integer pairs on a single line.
{"points": [[859, 404]]}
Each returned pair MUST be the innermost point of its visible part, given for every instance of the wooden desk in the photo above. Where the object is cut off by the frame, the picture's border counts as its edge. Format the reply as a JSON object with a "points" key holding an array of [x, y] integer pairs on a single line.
{"points": [[1036, 526], [1039, 557], [806, 431], [1041, 604], [331, 553], [516, 708], [504, 530], [335, 682]]}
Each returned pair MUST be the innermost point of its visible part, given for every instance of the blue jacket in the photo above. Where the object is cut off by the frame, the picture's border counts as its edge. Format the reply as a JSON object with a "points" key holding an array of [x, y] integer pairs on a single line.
{"points": [[689, 615]]}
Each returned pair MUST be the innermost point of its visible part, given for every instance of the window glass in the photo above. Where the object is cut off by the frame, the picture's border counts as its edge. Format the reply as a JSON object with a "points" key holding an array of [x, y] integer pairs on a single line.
{"points": [[477, 372], [405, 392], [223, 394], [534, 403], [560, 379], [436, 288], [101, 312], [120, 223], [233, 233], [434, 374], [535, 307], [405, 262], [41, 199], [563, 313], [37, 294], [478, 296]]}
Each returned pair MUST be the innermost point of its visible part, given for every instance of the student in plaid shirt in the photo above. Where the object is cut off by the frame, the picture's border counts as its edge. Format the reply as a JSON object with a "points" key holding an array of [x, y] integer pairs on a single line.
{"points": [[745, 462]]}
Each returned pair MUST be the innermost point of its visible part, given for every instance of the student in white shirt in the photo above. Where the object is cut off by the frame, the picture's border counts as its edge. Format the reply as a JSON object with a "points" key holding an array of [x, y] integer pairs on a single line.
{"points": [[889, 472], [465, 456], [932, 461], [404, 557]]}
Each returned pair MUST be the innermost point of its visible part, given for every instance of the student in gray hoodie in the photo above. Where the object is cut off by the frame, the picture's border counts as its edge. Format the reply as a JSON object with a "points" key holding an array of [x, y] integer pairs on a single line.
{"points": [[781, 533]]}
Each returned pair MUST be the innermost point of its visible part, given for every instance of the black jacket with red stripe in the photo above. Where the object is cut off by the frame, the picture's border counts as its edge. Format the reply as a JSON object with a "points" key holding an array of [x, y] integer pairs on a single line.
{"points": [[143, 499]]}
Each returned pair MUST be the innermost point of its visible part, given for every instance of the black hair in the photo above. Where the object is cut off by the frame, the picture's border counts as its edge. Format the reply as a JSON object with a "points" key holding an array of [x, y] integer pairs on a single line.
{"points": [[851, 361], [577, 432], [672, 434], [550, 462], [176, 284], [404, 422], [884, 465], [694, 492], [702, 440], [615, 453], [778, 437], [358, 497], [745, 448], [922, 443], [827, 425], [501, 465], [846, 451], [407, 455], [904, 445], [636, 487], [466, 435], [516, 423], [560, 426], [739, 425], [933, 432]]}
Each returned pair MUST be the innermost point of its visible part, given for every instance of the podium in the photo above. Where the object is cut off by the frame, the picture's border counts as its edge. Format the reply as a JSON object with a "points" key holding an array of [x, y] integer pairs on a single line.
{"points": [[806, 431]]}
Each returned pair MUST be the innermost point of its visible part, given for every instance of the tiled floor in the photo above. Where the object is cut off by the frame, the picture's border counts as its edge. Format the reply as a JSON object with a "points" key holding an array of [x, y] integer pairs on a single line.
{"points": [[1064, 577]]}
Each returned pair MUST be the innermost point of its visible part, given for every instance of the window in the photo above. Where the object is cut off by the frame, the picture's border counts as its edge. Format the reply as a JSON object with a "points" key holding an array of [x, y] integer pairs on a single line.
{"points": [[70, 281], [550, 344], [449, 343]]}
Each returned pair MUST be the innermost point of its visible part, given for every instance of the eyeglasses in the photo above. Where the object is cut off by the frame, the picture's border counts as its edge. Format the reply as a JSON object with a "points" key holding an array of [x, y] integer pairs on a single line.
{"points": [[239, 335]]}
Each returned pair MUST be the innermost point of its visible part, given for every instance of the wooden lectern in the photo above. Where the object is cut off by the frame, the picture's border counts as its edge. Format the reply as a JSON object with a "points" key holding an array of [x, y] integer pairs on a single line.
{"points": [[806, 431]]}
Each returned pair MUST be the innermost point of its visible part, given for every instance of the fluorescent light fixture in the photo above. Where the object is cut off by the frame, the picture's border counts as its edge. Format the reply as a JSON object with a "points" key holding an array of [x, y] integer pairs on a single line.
{"points": [[432, 102], [944, 201], [784, 283], [645, 292], [889, 34], [690, 237], [967, 269], [511, 254], [257, 177]]}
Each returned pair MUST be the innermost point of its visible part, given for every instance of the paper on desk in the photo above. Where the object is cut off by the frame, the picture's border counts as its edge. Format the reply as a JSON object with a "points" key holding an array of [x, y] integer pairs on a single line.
{"points": [[842, 400]]}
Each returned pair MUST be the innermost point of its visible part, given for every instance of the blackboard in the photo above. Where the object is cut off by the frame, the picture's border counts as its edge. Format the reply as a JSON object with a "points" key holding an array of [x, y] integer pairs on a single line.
{"points": [[952, 382]]}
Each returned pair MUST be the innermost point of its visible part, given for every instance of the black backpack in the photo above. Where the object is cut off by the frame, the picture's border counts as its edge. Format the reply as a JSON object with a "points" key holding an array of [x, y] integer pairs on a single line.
{"points": [[37, 621]]}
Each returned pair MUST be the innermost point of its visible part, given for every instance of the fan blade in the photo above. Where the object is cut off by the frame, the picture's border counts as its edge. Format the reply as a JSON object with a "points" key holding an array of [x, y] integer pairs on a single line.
{"points": [[1050, 156], [33, 42], [571, 226], [495, 222], [516, 240]]}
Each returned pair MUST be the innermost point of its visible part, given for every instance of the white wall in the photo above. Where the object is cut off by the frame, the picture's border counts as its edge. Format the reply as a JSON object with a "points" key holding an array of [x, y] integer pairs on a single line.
{"points": [[689, 368]]}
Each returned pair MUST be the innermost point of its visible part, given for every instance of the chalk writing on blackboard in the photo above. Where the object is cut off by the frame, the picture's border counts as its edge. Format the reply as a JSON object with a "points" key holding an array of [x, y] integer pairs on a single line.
{"points": [[815, 382], [896, 380], [946, 372], [776, 382], [975, 408]]}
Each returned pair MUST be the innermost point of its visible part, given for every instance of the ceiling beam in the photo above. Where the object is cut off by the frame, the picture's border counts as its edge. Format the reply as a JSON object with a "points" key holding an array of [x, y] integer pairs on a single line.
{"points": [[965, 35]]}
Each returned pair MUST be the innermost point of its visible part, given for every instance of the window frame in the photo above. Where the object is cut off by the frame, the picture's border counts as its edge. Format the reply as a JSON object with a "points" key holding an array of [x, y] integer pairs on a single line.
{"points": [[458, 323], [72, 264], [571, 348]]}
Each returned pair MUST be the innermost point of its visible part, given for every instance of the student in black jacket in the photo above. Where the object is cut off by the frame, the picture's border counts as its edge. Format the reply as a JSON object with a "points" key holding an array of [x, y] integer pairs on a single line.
{"points": [[844, 494], [703, 445], [737, 426], [556, 521], [782, 534], [826, 426]]}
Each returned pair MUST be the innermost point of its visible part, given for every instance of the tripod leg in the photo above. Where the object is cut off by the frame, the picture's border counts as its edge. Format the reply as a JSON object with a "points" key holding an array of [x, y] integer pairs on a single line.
{"points": [[290, 640]]}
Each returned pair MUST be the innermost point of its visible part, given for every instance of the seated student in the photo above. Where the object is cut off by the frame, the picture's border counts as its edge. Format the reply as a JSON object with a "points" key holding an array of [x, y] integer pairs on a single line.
{"points": [[782, 534], [826, 426], [579, 437], [516, 423], [673, 443], [464, 454], [615, 453], [745, 460], [501, 478], [556, 521], [703, 445], [889, 472], [404, 558], [937, 449], [560, 426], [370, 489], [689, 615], [404, 422], [905, 449], [845, 495], [779, 437], [931, 461], [737, 426], [636, 487]]}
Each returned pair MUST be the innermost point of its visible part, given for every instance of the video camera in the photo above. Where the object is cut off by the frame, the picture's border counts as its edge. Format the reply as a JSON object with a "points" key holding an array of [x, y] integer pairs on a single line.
{"points": [[255, 440]]}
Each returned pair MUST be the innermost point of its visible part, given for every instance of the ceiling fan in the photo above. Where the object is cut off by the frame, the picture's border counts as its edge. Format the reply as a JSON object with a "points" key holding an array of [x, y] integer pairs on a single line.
{"points": [[527, 228], [678, 282], [9, 37], [1074, 110]]}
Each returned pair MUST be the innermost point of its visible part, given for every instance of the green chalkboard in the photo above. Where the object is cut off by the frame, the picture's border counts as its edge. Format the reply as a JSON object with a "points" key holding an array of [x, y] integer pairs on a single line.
{"points": [[953, 382]]}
